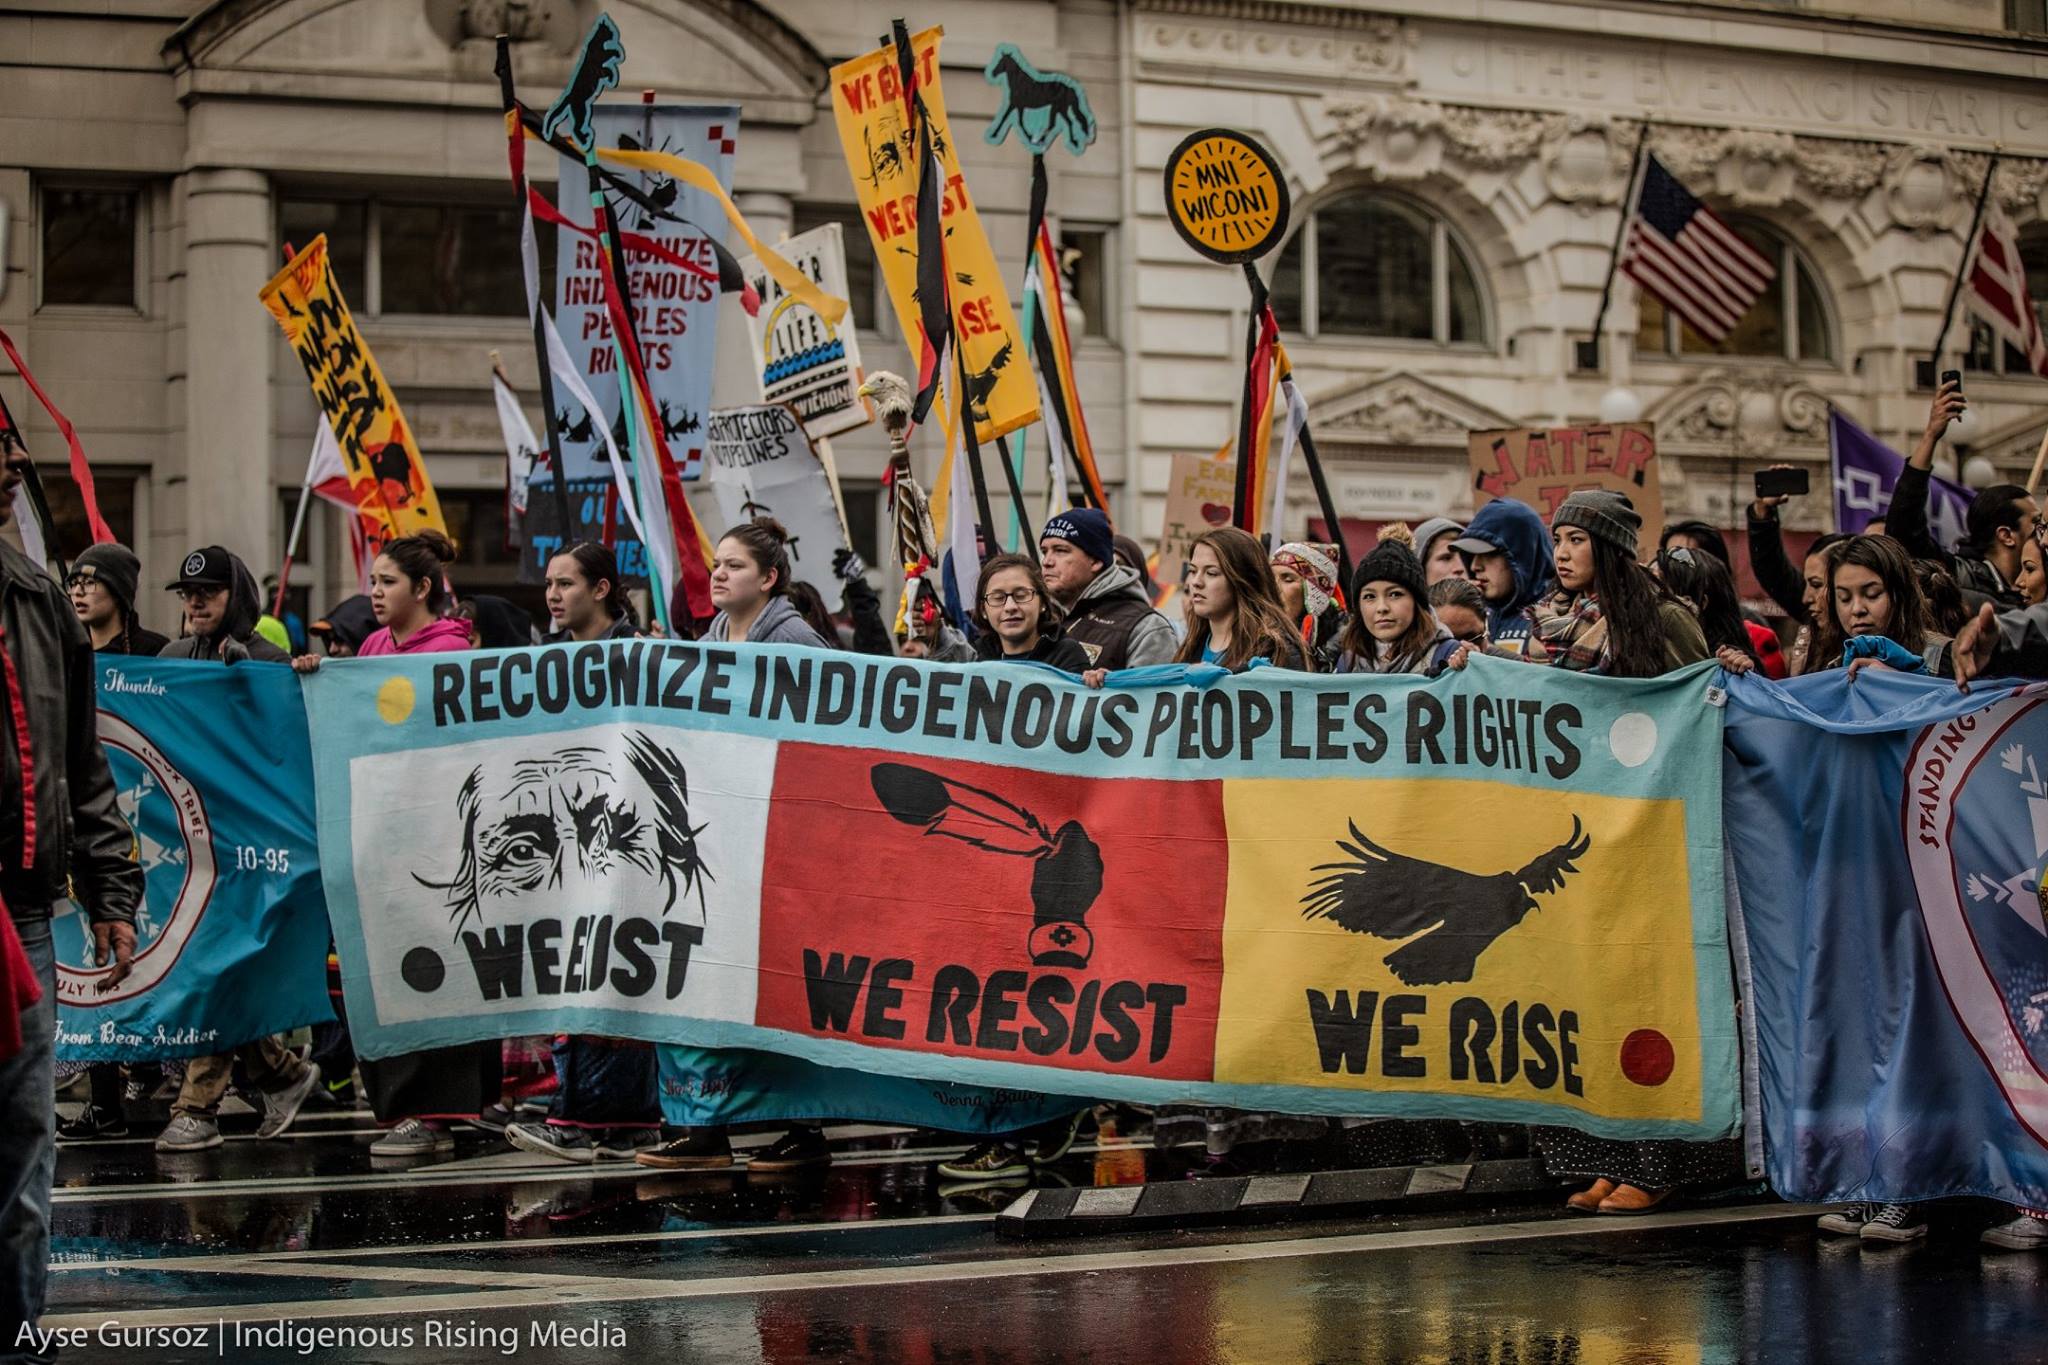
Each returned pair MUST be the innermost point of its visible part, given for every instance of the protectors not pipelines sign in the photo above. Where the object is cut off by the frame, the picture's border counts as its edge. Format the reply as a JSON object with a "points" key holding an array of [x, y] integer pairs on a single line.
{"points": [[802, 358], [760, 463], [1542, 466], [1495, 895]]}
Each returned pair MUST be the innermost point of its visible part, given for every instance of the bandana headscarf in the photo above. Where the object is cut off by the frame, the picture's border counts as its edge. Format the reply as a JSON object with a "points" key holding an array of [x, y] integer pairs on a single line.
{"points": [[1317, 565]]}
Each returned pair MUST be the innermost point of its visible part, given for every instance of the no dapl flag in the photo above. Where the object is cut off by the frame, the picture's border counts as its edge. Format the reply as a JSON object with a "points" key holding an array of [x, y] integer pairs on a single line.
{"points": [[384, 467], [1494, 896], [867, 100]]}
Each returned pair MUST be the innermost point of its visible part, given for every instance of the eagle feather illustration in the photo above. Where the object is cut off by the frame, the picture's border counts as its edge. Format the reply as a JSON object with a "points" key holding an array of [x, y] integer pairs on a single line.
{"points": [[1449, 916]]}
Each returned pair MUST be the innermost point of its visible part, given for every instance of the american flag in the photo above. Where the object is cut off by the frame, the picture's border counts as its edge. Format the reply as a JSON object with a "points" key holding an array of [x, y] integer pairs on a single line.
{"points": [[1694, 262], [1995, 289]]}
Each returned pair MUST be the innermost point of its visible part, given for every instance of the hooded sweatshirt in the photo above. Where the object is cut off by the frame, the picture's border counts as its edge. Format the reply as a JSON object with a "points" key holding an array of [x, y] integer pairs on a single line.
{"points": [[237, 638], [779, 623], [1116, 624], [1514, 529], [440, 636]]}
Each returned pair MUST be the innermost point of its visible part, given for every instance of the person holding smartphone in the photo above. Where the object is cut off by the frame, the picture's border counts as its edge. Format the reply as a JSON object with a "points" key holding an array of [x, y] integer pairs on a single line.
{"points": [[2000, 519]]}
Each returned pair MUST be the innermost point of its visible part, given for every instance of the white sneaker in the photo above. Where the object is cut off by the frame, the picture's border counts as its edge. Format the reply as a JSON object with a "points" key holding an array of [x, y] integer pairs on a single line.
{"points": [[2024, 1233], [413, 1137], [1846, 1222], [1895, 1223], [281, 1108], [188, 1133]]}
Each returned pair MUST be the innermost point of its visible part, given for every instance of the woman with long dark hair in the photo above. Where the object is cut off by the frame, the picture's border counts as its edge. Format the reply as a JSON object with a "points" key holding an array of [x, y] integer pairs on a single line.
{"points": [[1696, 577], [586, 596], [1879, 618], [1620, 621], [1234, 612], [1392, 629]]}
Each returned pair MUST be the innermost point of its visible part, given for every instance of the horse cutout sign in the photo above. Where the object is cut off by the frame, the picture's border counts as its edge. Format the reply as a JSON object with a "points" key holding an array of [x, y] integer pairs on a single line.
{"points": [[1043, 107]]}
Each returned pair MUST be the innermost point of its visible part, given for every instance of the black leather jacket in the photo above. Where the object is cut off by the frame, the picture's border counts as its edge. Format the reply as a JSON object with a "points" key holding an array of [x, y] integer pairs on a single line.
{"points": [[81, 840]]}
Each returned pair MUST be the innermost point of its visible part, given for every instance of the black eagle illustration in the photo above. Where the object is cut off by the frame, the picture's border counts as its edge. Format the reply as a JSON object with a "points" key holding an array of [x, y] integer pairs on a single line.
{"points": [[597, 70], [1457, 915]]}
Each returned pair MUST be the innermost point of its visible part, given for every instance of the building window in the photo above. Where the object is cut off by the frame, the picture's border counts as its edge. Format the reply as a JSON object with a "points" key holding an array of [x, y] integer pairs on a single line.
{"points": [[1085, 257], [435, 258], [89, 238], [866, 293], [1373, 264], [1789, 321], [1987, 353]]}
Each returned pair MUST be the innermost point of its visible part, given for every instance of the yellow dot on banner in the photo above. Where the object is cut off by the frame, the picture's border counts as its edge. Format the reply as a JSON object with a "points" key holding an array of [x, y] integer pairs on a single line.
{"points": [[394, 700]]}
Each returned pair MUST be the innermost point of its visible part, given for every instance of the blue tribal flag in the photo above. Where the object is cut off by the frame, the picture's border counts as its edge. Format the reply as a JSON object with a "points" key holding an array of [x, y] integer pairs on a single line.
{"points": [[213, 774], [1888, 837]]}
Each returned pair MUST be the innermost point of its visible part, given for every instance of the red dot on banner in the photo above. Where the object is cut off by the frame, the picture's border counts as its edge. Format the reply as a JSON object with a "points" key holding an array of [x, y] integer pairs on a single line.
{"points": [[1646, 1057]]}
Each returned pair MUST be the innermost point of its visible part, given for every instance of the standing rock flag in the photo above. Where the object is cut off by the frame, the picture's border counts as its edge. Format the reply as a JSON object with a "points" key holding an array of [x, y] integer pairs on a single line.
{"points": [[869, 103], [383, 461], [1679, 251], [1995, 289]]}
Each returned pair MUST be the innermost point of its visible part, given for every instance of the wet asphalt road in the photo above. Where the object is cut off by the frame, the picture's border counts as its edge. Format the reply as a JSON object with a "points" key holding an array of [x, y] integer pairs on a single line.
{"points": [[499, 1254]]}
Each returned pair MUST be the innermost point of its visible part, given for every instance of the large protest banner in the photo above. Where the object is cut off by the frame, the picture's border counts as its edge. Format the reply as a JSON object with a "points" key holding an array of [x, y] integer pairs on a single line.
{"points": [[1495, 896], [210, 767], [385, 470], [804, 358], [868, 103], [1889, 838], [675, 314], [1542, 466], [761, 464]]}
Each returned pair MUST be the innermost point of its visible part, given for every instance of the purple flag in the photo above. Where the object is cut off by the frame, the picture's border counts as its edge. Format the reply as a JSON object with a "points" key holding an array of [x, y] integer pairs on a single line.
{"points": [[1865, 470]]}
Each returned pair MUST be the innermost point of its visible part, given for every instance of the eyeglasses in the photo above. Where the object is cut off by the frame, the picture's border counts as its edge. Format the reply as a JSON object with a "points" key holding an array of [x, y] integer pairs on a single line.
{"points": [[1018, 595], [80, 577]]}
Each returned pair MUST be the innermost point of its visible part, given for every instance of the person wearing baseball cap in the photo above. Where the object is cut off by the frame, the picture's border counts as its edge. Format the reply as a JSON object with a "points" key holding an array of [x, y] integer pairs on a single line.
{"points": [[102, 583], [1108, 612], [222, 608], [1507, 553]]}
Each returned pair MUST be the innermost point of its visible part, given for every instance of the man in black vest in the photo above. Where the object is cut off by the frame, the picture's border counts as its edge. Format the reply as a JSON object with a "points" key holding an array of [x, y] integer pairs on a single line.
{"points": [[1107, 611]]}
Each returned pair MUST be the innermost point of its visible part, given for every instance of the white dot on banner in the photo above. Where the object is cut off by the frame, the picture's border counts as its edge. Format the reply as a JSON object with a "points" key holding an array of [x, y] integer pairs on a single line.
{"points": [[1632, 739]]}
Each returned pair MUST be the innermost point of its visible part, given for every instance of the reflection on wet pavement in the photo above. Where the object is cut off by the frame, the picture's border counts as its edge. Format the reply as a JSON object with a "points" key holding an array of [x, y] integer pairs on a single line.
{"points": [[877, 1258]]}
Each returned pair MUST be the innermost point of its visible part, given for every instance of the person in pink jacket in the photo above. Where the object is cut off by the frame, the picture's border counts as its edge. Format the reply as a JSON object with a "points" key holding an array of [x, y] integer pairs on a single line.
{"points": [[420, 1093]]}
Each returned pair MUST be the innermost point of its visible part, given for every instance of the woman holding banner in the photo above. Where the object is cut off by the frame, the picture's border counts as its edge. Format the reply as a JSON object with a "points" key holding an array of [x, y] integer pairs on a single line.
{"points": [[1019, 622], [1234, 611], [420, 1093]]}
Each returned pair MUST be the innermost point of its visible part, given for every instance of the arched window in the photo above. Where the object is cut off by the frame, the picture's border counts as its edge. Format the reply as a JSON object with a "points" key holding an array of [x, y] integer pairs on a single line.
{"points": [[1373, 264], [1987, 353], [1789, 321]]}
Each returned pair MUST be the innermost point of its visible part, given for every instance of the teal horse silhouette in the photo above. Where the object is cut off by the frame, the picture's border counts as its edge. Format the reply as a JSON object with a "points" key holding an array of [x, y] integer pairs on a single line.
{"points": [[1043, 106]]}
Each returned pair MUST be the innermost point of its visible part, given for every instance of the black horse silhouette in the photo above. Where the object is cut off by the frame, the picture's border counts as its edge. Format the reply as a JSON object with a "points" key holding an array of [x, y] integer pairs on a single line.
{"points": [[1453, 915], [1043, 106], [673, 426]]}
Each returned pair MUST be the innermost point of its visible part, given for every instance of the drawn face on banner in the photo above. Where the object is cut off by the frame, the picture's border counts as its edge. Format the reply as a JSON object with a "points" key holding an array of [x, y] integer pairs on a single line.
{"points": [[579, 868], [549, 832]]}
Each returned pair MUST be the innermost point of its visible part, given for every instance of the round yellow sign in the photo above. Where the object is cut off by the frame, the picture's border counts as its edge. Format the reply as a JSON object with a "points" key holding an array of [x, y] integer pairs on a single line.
{"points": [[1226, 195]]}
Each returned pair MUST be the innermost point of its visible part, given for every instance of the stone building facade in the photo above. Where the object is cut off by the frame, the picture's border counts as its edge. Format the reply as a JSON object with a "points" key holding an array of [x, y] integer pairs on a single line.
{"points": [[1456, 173]]}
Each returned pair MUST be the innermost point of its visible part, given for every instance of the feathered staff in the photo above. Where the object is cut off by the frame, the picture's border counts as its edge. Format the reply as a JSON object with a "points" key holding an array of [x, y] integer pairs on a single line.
{"points": [[917, 545]]}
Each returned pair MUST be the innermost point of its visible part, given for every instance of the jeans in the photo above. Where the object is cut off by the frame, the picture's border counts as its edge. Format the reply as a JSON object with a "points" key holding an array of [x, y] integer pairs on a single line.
{"points": [[28, 1148], [604, 1083]]}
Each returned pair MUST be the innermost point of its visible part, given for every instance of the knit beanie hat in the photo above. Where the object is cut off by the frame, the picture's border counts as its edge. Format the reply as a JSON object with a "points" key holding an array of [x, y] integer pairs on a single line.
{"points": [[1391, 561], [1317, 566], [1602, 515], [1431, 529], [115, 566], [1087, 530]]}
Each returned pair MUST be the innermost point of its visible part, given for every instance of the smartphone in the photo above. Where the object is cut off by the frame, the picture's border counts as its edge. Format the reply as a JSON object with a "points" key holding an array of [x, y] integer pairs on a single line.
{"points": [[1781, 483], [1954, 377]]}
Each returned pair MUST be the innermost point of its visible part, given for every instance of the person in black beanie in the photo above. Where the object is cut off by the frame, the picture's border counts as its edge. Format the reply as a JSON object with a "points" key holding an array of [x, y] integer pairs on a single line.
{"points": [[102, 582], [1392, 629]]}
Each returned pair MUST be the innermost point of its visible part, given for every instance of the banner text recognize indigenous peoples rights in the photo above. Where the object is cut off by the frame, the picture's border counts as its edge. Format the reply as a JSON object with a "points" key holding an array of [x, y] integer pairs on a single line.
{"points": [[1494, 896]]}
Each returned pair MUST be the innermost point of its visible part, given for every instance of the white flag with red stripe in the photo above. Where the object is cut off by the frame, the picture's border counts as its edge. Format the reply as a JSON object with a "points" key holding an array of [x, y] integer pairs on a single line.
{"points": [[1695, 263], [1995, 289]]}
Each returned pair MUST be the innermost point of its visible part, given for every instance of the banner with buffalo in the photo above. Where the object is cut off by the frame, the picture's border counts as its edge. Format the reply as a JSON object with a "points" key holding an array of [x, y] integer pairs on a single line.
{"points": [[1497, 896], [1889, 836], [210, 771]]}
